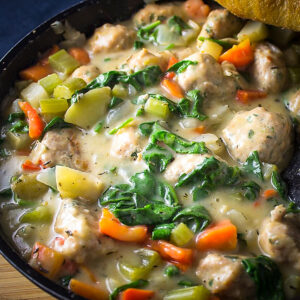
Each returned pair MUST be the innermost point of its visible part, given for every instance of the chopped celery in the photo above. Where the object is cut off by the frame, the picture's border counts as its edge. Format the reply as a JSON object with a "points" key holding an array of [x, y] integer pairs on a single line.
{"points": [[99, 126], [90, 108], [191, 293], [53, 106], [63, 62], [212, 48], [18, 141], [157, 108], [124, 124], [148, 259], [33, 94], [50, 82], [254, 31], [119, 91], [294, 74], [41, 214], [67, 89], [47, 177], [181, 235]]}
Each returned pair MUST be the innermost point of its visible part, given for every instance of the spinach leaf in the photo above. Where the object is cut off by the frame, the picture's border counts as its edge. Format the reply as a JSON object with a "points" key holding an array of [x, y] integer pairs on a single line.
{"points": [[115, 101], [134, 284], [251, 190], [196, 217], [177, 24], [19, 126], [56, 123], [7, 192], [266, 275], [163, 231], [279, 185], [292, 208], [220, 42], [253, 165], [146, 128], [137, 45], [148, 32], [181, 66], [15, 116]]}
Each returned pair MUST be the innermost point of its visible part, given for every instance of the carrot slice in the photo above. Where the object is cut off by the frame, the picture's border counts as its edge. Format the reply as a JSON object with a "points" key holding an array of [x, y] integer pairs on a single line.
{"points": [[28, 165], [200, 129], [36, 125], [196, 9], [172, 61], [36, 72], [269, 193], [87, 291], [80, 55], [44, 61], [136, 294], [172, 88], [221, 236], [240, 55], [245, 96], [112, 227]]}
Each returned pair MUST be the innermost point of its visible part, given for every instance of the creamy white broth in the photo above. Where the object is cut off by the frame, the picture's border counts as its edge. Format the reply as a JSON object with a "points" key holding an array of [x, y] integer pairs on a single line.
{"points": [[96, 258]]}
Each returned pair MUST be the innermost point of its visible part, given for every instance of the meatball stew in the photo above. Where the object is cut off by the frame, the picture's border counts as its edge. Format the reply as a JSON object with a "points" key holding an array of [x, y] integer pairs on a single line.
{"points": [[145, 161]]}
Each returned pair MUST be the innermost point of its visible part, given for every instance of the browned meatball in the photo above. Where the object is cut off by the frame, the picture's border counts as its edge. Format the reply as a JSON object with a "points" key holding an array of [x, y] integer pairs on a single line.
{"points": [[280, 237], [269, 72], [270, 134]]}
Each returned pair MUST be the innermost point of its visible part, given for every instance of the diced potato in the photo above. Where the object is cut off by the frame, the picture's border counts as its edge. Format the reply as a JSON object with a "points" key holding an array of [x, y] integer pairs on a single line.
{"points": [[157, 108], [50, 82], [254, 31], [69, 86], [119, 91], [33, 94], [212, 48], [18, 141], [53, 106], [48, 177], [90, 108], [77, 184], [26, 187]]}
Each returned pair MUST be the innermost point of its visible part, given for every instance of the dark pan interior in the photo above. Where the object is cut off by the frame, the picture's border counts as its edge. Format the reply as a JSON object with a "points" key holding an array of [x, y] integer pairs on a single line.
{"points": [[84, 16]]}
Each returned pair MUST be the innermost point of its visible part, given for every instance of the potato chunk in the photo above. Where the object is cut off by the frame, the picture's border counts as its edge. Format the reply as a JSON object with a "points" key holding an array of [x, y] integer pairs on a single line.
{"points": [[76, 184]]}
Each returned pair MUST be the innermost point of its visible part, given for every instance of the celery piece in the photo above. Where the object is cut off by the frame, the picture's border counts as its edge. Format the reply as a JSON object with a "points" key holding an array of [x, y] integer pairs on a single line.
{"points": [[33, 94], [48, 177], [63, 62], [67, 89], [212, 48], [254, 31], [181, 235], [124, 124], [91, 107], [18, 141], [41, 214], [191, 293], [294, 74], [99, 126], [50, 82], [53, 106], [119, 91], [157, 108]]}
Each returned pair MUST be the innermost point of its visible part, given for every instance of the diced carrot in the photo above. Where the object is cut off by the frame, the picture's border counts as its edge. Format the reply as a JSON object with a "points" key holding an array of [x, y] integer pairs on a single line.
{"points": [[36, 125], [28, 165], [172, 88], [36, 72], [112, 227], [80, 55], [181, 266], [240, 55], [196, 9], [200, 129], [172, 61], [136, 294], [221, 236], [46, 260], [44, 61], [269, 193], [88, 272], [172, 253], [245, 96], [87, 291]]}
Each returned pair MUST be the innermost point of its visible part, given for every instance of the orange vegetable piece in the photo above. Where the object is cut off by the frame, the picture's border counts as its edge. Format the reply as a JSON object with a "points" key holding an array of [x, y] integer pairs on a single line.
{"points": [[240, 55], [36, 72], [221, 236], [269, 193], [172, 88], [36, 125], [245, 96], [87, 291], [200, 129], [196, 9], [80, 55], [46, 260], [136, 294], [112, 227], [28, 165], [44, 60], [88, 272], [172, 61]]}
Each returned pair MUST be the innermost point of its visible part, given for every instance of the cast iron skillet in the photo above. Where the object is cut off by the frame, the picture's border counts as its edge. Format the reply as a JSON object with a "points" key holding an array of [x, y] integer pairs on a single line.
{"points": [[84, 16]]}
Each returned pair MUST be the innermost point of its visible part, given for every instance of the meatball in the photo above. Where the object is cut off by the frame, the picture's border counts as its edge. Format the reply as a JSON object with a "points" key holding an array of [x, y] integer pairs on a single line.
{"points": [[220, 23], [207, 76], [87, 73], [268, 71], [124, 143], [111, 38], [60, 147], [145, 58], [269, 133], [280, 237], [226, 277], [153, 12], [294, 104]]}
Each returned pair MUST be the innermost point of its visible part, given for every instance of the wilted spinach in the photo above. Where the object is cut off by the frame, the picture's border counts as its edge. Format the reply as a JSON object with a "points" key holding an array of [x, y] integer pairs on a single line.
{"points": [[181, 66], [279, 185], [253, 165], [56, 123]]}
